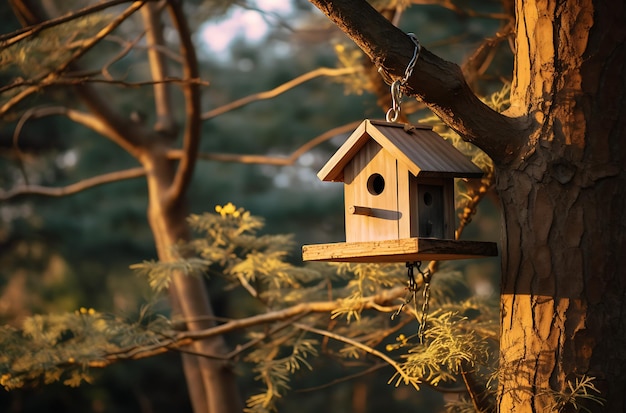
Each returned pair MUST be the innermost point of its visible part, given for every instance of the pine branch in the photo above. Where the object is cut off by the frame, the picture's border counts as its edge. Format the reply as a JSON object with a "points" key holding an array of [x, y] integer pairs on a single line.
{"points": [[185, 338], [405, 377], [85, 78]]}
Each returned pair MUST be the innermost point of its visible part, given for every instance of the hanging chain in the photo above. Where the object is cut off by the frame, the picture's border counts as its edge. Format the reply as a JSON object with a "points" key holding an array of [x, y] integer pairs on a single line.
{"points": [[396, 93], [412, 288], [425, 304]]}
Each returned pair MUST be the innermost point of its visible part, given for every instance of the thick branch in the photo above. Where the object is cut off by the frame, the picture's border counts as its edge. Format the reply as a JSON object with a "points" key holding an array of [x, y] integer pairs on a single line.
{"points": [[158, 68], [73, 188], [438, 83], [187, 337], [191, 91]]}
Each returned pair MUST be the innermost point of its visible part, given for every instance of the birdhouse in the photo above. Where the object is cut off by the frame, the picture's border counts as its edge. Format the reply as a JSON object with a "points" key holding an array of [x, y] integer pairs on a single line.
{"points": [[399, 197]]}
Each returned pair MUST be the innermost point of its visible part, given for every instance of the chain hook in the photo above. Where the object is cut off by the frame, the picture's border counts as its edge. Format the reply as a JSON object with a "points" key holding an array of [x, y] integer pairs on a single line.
{"points": [[396, 93]]}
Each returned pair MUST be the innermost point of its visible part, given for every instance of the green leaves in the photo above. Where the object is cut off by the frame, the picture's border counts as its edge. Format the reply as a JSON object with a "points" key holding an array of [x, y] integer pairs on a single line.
{"points": [[64, 346], [159, 274], [450, 344], [276, 370]]}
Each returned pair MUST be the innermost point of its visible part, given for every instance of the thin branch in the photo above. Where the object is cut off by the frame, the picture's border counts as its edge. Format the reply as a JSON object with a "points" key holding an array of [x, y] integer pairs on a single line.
{"points": [[73, 188], [47, 80], [191, 91], [132, 44], [269, 94], [367, 349], [82, 79], [271, 160], [127, 47], [87, 120], [343, 379], [448, 4], [8, 39]]}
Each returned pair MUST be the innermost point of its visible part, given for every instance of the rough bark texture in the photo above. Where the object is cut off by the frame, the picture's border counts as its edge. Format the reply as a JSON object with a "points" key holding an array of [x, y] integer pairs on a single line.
{"points": [[564, 203]]}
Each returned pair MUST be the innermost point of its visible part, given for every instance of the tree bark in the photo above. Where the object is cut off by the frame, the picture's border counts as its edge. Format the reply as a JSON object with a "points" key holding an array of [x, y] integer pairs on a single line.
{"points": [[563, 199], [559, 154]]}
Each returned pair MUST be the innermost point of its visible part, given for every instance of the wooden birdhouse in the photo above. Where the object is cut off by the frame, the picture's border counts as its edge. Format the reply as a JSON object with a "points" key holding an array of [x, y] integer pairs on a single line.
{"points": [[399, 197]]}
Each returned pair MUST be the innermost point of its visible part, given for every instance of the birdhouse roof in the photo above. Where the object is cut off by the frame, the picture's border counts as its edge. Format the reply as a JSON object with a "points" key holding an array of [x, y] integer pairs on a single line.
{"points": [[423, 151]]}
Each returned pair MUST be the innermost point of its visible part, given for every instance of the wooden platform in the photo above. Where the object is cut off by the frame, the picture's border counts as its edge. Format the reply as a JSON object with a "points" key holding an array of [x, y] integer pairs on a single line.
{"points": [[402, 250]]}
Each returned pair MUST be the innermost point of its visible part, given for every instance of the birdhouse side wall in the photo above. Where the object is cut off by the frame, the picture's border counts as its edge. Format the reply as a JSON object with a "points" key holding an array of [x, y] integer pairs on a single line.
{"points": [[436, 220], [371, 195]]}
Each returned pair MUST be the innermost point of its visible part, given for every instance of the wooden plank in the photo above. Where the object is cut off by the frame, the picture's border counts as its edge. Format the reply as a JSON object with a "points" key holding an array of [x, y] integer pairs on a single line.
{"points": [[401, 250]]}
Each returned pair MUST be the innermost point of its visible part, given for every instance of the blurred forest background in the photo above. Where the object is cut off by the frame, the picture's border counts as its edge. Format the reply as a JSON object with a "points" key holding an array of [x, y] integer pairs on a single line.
{"points": [[61, 254]]}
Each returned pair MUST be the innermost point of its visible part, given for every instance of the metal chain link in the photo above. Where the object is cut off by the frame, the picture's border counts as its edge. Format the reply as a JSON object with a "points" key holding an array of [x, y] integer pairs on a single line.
{"points": [[412, 288], [425, 305], [396, 93]]}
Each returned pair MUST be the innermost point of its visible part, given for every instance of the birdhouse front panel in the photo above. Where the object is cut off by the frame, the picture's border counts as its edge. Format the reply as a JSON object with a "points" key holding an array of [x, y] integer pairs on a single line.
{"points": [[371, 196]]}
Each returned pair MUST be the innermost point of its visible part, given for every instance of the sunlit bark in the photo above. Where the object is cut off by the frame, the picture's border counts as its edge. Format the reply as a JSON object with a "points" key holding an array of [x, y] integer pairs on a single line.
{"points": [[563, 286]]}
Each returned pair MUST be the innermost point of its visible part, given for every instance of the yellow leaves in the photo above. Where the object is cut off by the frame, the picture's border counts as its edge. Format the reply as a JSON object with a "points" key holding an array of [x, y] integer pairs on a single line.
{"points": [[228, 210], [401, 341], [86, 311], [76, 378]]}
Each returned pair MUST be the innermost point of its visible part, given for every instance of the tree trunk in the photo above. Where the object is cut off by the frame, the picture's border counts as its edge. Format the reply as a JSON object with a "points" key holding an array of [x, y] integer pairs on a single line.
{"points": [[564, 203], [211, 382]]}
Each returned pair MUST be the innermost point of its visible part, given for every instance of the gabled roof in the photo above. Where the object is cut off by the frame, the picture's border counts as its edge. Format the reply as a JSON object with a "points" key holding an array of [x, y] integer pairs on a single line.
{"points": [[422, 150]]}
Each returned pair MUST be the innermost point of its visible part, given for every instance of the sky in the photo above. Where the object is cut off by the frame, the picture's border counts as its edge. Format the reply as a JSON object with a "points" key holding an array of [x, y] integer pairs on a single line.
{"points": [[239, 21]]}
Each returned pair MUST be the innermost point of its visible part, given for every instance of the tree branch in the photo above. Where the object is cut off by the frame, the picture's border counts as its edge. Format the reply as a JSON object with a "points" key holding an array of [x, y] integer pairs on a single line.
{"points": [[406, 378], [438, 83], [271, 160], [9, 39], [187, 337], [73, 188], [269, 94], [191, 91], [48, 79], [158, 67]]}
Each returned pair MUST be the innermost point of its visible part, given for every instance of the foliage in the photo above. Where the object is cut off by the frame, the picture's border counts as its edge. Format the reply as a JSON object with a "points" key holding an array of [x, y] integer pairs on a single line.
{"points": [[229, 243], [64, 346], [578, 391], [37, 55]]}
